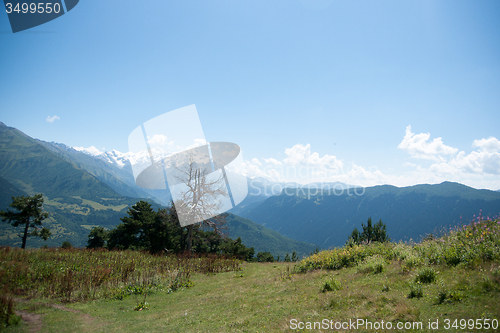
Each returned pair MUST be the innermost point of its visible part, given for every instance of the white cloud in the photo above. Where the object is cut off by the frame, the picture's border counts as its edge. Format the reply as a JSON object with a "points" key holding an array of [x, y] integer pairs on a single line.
{"points": [[196, 143], [490, 145], [272, 161], [256, 161], [418, 146], [408, 164], [479, 168], [159, 140], [52, 119], [90, 150], [477, 162], [301, 155], [253, 170]]}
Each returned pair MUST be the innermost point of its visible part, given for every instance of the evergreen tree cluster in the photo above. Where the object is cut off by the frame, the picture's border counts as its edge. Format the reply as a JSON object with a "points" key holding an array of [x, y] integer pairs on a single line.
{"points": [[160, 231], [371, 233]]}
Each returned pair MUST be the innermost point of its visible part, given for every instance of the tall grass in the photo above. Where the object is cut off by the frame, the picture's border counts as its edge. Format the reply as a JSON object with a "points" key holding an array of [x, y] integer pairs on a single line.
{"points": [[7, 314], [344, 257], [81, 274], [469, 245]]}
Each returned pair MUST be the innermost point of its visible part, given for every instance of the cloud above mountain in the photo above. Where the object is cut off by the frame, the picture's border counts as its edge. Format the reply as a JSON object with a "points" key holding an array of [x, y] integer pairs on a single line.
{"points": [[50, 119], [430, 161], [419, 146], [485, 160]]}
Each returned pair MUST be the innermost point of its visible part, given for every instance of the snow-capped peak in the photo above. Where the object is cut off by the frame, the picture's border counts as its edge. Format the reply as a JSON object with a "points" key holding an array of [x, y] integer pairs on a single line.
{"points": [[89, 151]]}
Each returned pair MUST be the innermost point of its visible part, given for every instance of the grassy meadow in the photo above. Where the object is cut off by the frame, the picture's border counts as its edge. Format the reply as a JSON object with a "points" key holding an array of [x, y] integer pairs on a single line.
{"points": [[452, 281]]}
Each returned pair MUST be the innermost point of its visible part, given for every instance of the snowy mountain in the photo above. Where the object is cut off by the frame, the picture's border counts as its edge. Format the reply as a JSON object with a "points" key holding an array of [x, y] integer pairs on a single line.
{"points": [[113, 168], [117, 170]]}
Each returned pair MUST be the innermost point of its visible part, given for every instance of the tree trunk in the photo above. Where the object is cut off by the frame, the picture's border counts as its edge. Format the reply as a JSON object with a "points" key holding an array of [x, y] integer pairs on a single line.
{"points": [[25, 236], [189, 238]]}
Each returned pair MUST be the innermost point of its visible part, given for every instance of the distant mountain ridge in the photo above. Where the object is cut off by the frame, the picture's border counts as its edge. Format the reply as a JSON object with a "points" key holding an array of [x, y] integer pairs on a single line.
{"points": [[82, 191], [409, 212], [75, 199], [259, 189]]}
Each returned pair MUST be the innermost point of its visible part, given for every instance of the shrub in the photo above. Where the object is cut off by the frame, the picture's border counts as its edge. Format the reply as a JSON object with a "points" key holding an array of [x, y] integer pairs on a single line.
{"points": [[374, 264], [344, 257], [266, 257], [7, 314], [426, 275], [444, 294], [456, 296], [411, 261], [330, 284], [401, 251], [415, 290], [487, 284], [66, 245]]}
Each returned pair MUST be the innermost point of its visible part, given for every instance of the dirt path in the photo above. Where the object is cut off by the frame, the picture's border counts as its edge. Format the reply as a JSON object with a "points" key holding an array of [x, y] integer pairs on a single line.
{"points": [[34, 321]]}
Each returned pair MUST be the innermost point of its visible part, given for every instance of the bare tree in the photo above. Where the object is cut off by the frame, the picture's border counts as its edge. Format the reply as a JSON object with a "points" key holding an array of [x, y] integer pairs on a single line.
{"points": [[201, 199]]}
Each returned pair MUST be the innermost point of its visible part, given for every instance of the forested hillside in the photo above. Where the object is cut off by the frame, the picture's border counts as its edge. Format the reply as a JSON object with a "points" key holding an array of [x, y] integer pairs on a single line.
{"points": [[409, 212]]}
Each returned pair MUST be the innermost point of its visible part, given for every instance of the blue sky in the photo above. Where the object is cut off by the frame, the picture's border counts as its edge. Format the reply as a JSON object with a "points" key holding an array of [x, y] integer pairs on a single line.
{"points": [[330, 85]]}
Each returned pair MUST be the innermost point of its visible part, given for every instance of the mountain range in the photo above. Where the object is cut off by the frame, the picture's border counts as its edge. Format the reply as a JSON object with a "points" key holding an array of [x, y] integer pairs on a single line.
{"points": [[328, 218], [82, 191]]}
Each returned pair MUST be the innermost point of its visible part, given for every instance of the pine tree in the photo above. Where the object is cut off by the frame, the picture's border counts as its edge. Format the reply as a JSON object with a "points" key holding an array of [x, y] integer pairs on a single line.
{"points": [[97, 238], [370, 233], [30, 215]]}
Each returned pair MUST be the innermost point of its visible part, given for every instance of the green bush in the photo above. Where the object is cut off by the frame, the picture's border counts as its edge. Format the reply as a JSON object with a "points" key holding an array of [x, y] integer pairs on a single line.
{"points": [[401, 251], [426, 275], [265, 257], [444, 294], [415, 290], [456, 296], [66, 245], [487, 284], [7, 314], [344, 257], [330, 284], [374, 264]]}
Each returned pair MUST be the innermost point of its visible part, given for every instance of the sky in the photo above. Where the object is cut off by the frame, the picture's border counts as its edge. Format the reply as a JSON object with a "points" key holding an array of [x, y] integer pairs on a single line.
{"points": [[362, 92]]}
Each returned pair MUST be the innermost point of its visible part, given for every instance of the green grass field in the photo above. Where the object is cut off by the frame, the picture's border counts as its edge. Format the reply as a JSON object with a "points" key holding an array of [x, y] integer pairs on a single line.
{"points": [[265, 297], [453, 281]]}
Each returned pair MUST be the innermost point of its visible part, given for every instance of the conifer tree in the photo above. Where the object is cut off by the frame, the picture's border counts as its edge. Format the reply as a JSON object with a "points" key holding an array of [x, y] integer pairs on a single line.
{"points": [[30, 215]]}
